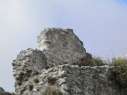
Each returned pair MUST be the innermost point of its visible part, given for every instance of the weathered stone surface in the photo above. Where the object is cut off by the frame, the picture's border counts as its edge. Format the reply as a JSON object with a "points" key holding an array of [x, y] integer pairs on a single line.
{"points": [[73, 80], [58, 50], [61, 46], [28, 63]]}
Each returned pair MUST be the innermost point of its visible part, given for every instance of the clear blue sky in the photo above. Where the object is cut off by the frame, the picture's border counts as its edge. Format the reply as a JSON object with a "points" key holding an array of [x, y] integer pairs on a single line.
{"points": [[100, 24], [123, 1]]}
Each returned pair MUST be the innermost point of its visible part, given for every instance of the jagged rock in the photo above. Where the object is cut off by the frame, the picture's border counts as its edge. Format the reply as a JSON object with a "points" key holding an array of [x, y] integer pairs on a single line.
{"points": [[74, 80], [58, 50], [61, 46], [56, 47], [28, 63]]}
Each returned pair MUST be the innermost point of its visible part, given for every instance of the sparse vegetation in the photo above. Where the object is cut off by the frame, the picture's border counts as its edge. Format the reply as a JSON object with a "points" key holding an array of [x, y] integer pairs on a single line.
{"points": [[89, 61], [98, 61], [119, 72]]}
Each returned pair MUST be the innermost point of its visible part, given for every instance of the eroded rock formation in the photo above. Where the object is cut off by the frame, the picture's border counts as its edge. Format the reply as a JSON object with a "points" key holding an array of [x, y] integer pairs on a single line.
{"points": [[61, 46], [58, 55]]}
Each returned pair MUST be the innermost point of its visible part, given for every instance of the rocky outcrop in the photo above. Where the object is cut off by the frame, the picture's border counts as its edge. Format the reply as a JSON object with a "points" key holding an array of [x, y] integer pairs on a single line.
{"points": [[28, 63], [73, 80], [61, 46], [56, 47], [58, 55]]}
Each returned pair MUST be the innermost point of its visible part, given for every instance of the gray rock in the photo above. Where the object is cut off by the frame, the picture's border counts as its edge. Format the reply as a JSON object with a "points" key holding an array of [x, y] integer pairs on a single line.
{"points": [[28, 63], [74, 80], [58, 50], [61, 46]]}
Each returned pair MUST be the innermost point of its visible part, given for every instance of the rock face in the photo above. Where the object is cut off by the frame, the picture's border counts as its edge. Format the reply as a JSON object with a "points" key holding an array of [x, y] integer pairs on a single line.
{"points": [[73, 80], [57, 56], [28, 63], [61, 46]]}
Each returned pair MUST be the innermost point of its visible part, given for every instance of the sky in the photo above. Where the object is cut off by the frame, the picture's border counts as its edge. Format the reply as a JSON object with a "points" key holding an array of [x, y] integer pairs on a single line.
{"points": [[100, 24]]}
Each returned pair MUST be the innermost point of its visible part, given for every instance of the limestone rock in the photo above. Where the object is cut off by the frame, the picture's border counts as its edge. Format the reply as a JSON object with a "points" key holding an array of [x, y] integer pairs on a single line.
{"points": [[28, 63], [56, 47], [58, 50], [74, 80], [61, 46]]}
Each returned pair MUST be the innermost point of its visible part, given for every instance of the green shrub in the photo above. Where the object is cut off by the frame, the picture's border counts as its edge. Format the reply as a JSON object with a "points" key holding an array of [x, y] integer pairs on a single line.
{"points": [[92, 62], [98, 61], [119, 61], [119, 72]]}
